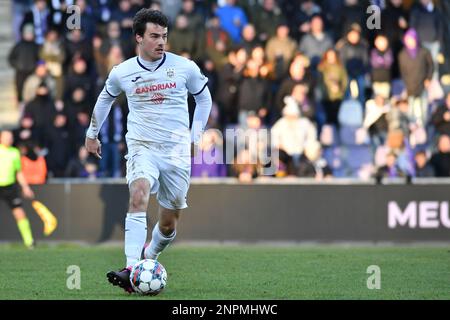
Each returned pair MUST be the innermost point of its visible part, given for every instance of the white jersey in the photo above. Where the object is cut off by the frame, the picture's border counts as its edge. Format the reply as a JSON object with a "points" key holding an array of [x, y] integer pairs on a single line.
{"points": [[157, 99]]}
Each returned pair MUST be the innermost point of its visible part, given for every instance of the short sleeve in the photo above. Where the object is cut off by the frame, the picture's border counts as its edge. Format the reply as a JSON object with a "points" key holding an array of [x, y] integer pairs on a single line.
{"points": [[17, 162], [196, 81], [112, 84]]}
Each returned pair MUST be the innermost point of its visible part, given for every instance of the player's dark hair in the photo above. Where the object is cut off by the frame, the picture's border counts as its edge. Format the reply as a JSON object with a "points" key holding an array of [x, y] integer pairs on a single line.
{"points": [[147, 15]]}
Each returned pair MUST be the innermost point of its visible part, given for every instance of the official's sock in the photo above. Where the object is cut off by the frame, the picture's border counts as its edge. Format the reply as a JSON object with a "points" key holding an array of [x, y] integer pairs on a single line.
{"points": [[159, 243], [25, 231], [135, 236]]}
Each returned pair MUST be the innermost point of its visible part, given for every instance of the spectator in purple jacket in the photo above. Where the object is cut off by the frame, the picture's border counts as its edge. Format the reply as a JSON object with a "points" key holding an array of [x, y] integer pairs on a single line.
{"points": [[416, 69]]}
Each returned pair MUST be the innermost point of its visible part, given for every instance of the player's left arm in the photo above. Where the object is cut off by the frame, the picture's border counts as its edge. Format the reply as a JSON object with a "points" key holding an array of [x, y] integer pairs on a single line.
{"points": [[102, 107], [203, 103], [27, 192], [197, 86]]}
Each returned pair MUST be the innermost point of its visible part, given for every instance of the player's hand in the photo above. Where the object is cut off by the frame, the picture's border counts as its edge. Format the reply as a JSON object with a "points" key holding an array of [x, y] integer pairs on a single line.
{"points": [[28, 193], [94, 146]]}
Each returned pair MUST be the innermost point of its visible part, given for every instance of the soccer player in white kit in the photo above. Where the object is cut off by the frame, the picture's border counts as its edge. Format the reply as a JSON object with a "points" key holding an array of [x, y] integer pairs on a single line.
{"points": [[159, 141]]}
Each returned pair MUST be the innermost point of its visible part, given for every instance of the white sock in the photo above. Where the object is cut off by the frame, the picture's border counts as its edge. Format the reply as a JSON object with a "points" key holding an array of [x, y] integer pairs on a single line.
{"points": [[159, 243], [135, 236]]}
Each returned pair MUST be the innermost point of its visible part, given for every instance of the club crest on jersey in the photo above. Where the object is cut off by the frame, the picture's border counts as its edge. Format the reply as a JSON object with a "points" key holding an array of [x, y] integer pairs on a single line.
{"points": [[170, 72]]}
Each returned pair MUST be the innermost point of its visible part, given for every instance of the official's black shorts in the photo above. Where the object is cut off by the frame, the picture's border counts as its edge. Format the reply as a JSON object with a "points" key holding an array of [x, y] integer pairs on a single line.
{"points": [[11, 195]]}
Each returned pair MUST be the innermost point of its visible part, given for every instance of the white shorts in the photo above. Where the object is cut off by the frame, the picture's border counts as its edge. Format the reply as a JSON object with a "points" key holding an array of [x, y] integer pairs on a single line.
{"points": [[166, 167]]}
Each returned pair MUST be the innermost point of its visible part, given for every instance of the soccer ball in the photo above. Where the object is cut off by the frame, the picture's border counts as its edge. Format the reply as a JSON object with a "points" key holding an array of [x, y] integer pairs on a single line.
{"points": [[148, 277]]}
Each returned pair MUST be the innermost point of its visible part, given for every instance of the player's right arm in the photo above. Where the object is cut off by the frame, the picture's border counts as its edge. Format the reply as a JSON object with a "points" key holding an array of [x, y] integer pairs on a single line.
{"points": [[102, 107]]}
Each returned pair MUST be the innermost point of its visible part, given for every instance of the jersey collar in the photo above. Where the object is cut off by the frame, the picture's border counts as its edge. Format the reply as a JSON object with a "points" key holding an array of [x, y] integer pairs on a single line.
{"points": [[159, 65]]}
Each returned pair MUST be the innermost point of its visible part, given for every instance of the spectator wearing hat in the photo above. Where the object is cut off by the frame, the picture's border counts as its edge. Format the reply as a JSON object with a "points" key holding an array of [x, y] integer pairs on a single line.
{"points": [[23, 57], [416, 69], [57, 138], [41, 109], [27, 132]]}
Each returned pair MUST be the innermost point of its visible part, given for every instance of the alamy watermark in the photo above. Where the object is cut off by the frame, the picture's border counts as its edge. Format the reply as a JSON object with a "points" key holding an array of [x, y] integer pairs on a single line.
{"points": [[237, 146], [73, 281], [374, 280], [374, 20], [74, 19]]}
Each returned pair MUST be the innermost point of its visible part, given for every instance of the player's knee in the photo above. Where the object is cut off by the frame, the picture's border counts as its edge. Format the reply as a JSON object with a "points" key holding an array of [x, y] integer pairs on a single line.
{"points": [[138, 201], [139, 194], [167, 227], [19, 213]]}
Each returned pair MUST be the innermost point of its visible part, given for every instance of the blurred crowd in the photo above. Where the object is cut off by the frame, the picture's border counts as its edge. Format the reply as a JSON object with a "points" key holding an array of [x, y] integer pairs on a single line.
{"points": [[344, 92]]}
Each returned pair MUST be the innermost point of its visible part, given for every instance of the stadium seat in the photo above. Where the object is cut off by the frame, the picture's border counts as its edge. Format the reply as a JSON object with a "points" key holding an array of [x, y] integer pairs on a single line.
{"points": [[347, 135], [358, 156], [333, 157]]}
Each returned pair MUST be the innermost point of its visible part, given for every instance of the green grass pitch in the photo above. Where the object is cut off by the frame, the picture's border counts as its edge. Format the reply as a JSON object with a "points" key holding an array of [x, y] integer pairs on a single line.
{"points": [[233, 272]]}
